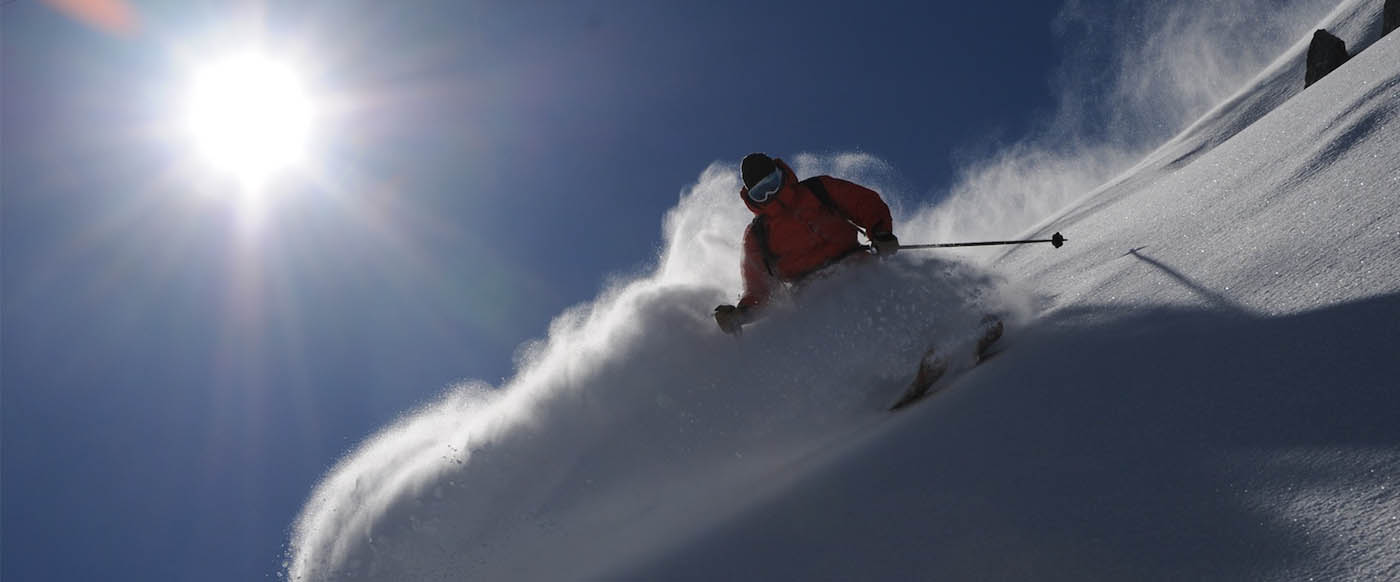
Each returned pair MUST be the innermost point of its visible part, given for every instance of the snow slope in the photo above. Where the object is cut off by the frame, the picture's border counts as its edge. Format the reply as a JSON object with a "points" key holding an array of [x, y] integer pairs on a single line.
{"points": [[1202, 384]]}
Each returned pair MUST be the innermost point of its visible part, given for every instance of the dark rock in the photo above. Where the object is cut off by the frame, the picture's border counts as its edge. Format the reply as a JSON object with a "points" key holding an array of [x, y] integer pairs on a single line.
{"points": [[1325, 54], [1391, 21]]}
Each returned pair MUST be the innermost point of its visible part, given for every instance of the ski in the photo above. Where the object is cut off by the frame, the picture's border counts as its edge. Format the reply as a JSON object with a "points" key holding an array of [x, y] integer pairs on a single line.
{"points": [[933, 367]]}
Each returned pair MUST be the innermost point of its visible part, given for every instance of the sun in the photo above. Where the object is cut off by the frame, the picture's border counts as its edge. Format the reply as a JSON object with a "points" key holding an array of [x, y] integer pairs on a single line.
{"points": [[250, 116]]}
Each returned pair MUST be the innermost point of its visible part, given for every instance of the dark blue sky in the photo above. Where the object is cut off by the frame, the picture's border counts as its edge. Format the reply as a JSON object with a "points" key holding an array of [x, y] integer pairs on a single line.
{"points": [[174, 384]]}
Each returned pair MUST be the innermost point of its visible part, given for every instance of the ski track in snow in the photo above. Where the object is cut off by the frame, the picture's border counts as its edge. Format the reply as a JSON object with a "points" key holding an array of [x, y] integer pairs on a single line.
{"points": [[1200, 385]]}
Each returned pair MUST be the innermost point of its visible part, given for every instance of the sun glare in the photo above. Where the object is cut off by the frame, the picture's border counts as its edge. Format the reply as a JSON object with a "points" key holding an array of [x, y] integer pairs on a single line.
{"points": [[250, 116]]}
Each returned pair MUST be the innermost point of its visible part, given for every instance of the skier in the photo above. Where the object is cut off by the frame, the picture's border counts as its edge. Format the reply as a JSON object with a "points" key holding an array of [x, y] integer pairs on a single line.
{"points": [[799, 228]]}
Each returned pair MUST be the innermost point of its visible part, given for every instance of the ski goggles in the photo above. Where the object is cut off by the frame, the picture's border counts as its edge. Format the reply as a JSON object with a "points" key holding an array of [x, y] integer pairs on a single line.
{"points": [[766, 187]]}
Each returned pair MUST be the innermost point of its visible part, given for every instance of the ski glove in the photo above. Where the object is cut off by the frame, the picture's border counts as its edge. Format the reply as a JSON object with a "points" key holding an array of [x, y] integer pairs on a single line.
{"points": [[731, 319], [885, 244]]}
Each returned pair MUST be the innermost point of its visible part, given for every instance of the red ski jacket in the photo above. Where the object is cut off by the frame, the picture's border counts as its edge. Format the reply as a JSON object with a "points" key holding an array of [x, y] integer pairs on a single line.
{"points": [[794, 233]]}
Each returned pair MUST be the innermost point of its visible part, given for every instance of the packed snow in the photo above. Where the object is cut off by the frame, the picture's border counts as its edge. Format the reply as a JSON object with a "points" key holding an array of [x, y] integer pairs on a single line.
{"points": [[1202, 384]]}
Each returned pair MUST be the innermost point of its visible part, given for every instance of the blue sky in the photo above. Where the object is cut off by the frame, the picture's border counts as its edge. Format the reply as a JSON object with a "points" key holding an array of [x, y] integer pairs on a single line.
{"points": [[176, 381]]}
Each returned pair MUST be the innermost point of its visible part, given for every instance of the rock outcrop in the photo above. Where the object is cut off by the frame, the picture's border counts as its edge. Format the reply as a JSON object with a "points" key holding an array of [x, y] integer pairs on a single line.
{"points": [[1325, 54], [1391, 20]]}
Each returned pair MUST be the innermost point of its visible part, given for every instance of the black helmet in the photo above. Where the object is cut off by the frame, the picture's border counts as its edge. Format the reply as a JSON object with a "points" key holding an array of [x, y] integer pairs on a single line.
{"points": [[755, 167]]}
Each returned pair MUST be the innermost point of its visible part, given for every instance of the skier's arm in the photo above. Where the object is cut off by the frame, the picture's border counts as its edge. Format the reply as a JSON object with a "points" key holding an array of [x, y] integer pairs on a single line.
{"points": [[758, 282], [862, 205], [757, 285]]}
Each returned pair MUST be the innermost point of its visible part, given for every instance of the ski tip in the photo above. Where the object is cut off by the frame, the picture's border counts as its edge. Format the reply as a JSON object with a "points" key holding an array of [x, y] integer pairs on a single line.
{"points": [[909, 397], [989, 354], [902, 404]]}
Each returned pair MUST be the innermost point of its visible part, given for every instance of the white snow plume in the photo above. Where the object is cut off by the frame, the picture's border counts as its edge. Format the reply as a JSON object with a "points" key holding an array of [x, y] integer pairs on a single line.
{"points": [[637, 424], [1134, 75]]}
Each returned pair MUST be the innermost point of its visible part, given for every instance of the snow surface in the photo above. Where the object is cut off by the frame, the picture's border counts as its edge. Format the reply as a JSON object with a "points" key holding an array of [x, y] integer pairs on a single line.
{"points": [[1202, 384]]}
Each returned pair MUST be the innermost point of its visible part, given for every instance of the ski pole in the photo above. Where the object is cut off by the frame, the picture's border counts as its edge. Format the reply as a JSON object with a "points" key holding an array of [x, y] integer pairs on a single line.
{"points": [[1057, 240]]}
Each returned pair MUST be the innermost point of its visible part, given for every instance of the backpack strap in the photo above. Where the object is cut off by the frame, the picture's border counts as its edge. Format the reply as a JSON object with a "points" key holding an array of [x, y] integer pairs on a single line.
{"points": [[818, 189], [759, 230]]}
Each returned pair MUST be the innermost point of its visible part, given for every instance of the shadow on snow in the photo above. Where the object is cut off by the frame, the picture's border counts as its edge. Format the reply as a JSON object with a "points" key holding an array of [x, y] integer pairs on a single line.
{"points": [[1108, 443]]}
